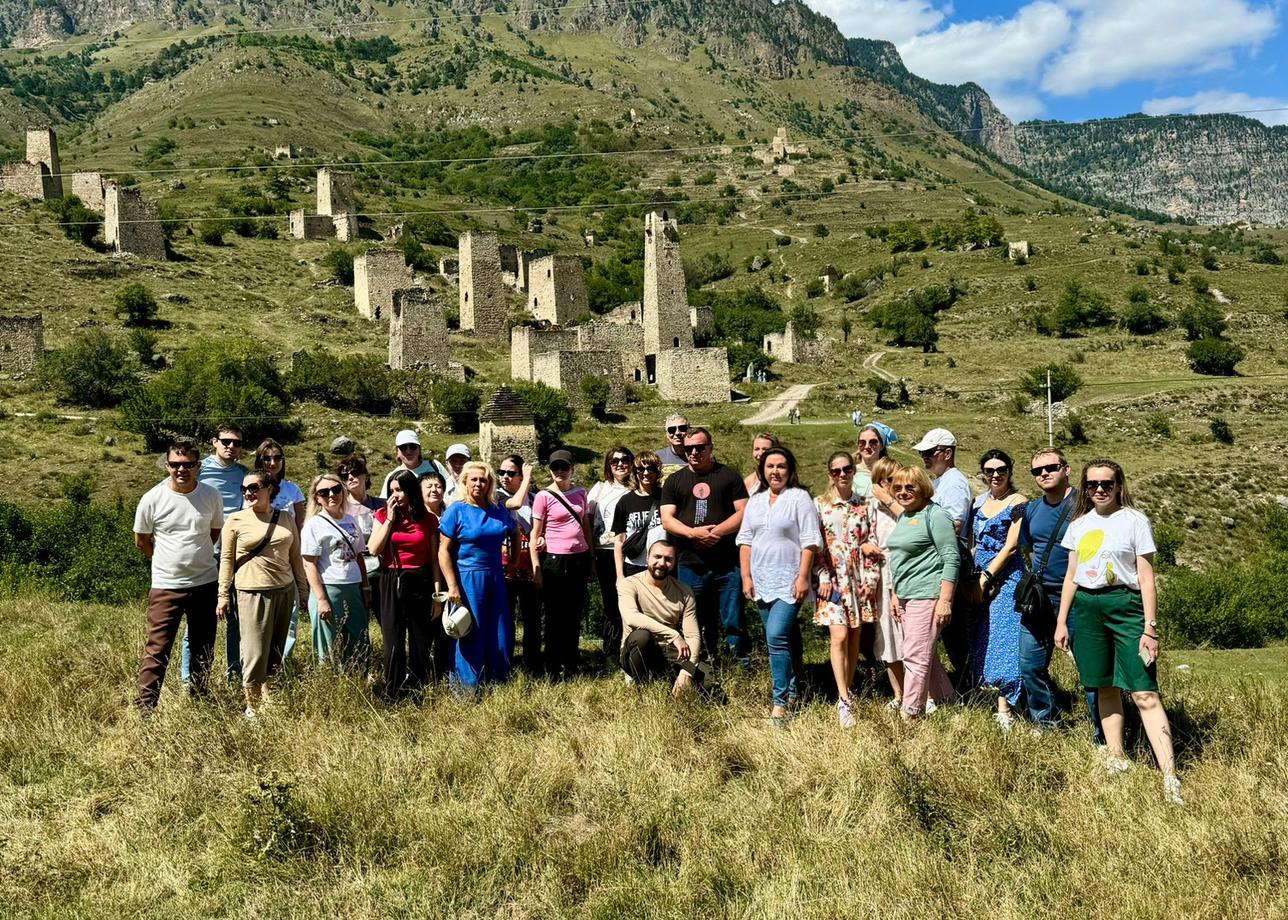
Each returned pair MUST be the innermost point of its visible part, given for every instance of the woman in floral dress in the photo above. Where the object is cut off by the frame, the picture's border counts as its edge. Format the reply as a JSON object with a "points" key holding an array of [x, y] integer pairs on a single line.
{"points": [[846, 574], [995, 527]]}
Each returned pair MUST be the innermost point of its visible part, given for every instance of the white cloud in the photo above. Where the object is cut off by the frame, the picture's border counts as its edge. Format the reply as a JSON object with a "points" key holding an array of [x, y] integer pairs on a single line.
{"points": [[893, 20], [1215, 101], [1116, 41], [991, 51], [1017, 106]]}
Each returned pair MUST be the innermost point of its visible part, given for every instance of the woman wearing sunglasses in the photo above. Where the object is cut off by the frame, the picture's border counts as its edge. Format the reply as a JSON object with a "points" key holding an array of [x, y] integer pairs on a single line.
{"points": [[333, 548], [641, 510], [995, 522], [616, 482], [561, 562], [846, 574], [271, 458], [260, 559], [887, 644], [1109, 588], [924, 560]]}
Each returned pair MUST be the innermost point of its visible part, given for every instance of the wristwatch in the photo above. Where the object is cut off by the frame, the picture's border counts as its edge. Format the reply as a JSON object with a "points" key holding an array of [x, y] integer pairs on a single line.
{"points": [[1151, 624]]}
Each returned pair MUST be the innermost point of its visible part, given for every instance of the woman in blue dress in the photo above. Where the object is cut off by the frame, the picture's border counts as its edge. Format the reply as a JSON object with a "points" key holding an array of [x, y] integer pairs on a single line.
{"points": [[471, 534], [995, 531]]}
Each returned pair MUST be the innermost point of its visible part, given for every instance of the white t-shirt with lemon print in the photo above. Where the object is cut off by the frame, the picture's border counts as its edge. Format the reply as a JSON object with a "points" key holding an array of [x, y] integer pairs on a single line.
{"points": [[1107, 547]]}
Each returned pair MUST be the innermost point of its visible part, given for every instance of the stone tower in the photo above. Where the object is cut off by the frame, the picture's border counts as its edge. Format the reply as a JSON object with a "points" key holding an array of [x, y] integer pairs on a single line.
{"points": [[131, 224], [42, 148], [557, 290], [418, 330], [666, 301], [377, 273], [482, 297], [506, 426], [335, 192]]}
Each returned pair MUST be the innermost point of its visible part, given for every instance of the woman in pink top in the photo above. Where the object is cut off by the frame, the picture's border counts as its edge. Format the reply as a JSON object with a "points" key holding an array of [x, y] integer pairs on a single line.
{"points": [[562, 568]]}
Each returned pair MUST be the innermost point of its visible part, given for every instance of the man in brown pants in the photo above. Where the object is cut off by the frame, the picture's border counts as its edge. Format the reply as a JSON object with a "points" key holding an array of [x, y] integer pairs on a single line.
{"points": [[176, 526]]}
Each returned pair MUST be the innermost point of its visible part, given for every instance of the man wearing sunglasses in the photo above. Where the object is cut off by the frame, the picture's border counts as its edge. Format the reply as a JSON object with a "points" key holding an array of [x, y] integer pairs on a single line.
{"points": [[702, 507], [672, 456], [407, 443], [1045, 522], [176, 525]]}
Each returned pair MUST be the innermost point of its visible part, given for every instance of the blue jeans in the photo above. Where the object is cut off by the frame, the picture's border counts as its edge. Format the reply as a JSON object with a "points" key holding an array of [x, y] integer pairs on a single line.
{"points": [[783, 636], [719, 600], [1093, 707]]}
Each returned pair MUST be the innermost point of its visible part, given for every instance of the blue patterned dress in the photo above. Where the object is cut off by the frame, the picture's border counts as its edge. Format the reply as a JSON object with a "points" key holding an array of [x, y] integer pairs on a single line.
{"points": [[995, 645]]}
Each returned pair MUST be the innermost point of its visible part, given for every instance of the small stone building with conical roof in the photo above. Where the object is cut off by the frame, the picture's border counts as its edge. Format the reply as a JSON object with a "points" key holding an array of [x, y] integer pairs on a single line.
{"points": [[506, 426]]}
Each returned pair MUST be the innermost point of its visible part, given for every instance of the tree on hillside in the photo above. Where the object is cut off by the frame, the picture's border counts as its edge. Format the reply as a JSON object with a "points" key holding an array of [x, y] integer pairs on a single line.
{"points": [[137, 305], [1064, 381], [94, 370], [553, 416]]}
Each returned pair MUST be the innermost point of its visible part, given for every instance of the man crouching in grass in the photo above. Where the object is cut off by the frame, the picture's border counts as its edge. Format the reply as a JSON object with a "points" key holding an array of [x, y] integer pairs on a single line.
{"points": [[659, 623]]}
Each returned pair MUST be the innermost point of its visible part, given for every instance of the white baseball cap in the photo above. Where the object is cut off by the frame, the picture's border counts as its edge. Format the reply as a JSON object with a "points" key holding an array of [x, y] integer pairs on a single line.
{"points": [[458, 450], [457, 621], [936, 437], [407, 436]]}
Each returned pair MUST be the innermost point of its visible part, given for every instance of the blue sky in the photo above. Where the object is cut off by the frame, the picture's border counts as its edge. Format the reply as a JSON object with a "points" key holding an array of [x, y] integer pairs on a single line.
{"points": [[1077, 59]]}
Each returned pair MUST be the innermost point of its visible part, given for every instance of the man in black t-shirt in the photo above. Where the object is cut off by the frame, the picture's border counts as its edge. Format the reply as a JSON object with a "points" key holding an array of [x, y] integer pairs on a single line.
{"points": [[702, 507]]}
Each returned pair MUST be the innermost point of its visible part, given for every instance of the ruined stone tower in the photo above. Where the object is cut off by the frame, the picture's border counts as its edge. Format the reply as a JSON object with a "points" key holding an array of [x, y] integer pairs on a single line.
{"points": [[22, 341], [506, 426], [557, 290], [130, 224], [418, 330], [42, 148], [377, 273], [335, 200], [666, 301], [482, 297]]}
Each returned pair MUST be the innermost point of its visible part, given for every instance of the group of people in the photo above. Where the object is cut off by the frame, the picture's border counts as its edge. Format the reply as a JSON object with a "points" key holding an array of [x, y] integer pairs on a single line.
{"points": [[893, 560]]}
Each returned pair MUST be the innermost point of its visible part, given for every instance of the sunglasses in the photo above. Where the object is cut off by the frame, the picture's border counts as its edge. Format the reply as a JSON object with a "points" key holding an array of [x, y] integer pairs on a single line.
{"points": [[847, 470], [907, 487], [864, 442], [559, 467], [652, 470], [1101, 485], [507, 473], [251, 490], [230, 442], [620, 461], [408, 448], [695, 448], [181, 464], [333, 490], [990, 471], [354, 474], [1047, 469], [274, 458], [676, 429]]}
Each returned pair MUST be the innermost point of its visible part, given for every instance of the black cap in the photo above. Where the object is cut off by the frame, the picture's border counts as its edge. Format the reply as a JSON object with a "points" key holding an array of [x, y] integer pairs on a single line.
{"points": [[560, 456]]}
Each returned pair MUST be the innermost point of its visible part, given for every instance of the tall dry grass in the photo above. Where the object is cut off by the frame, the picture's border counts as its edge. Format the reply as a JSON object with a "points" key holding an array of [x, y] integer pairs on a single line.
{"points": [[591, 799]]}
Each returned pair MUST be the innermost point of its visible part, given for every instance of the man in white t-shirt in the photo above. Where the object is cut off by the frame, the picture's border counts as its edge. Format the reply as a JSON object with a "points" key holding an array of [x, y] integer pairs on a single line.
{"points": [[176, 526]]}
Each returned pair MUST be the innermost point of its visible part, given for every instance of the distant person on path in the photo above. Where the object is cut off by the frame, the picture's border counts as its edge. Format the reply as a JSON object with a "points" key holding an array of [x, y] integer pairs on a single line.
{"points": [[560, 524], [702, 508], [857, 417], [333, 548], [406, 540], [847, 574], [176, 525], [777, 541], [1045, 522], [660, 623], [407, 445], [222, 470], [996, 518], [924, 565], [761, 441], [616, 482], [796, 416], [261, 563], [952, 492], [1109, 590], [474, 532], [514, 486], [887, 645], [641, 510], [672, 455]]}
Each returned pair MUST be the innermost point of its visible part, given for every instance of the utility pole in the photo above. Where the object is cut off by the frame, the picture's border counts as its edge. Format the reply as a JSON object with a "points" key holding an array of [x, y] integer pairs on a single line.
{"points": [[1050, 414]]}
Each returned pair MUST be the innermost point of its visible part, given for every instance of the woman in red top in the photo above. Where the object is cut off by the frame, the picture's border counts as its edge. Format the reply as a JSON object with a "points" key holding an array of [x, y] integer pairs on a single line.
{"points": [[405, 537]]}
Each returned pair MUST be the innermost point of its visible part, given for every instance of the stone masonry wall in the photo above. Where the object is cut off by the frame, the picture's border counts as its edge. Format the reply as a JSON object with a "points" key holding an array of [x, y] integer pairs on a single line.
{"points": [[527, 342], [691, 376], [42, 148], [666, 301], [335, 192], [557, 290], [498, 441], [626, 339], [88, 187], [306, 226], [482, 293], [564, 370], [30, 180], [22, 341], [377, 273], [418, 330], [131, 224]]}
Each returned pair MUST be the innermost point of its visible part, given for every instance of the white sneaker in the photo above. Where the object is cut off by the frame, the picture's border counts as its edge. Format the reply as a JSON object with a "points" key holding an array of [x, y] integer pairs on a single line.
{"points": [[1172, 790], [1004, 721], [931, 707], [845, 711], [894, 705], [249, 715], [629, 680], [1114, 765]]}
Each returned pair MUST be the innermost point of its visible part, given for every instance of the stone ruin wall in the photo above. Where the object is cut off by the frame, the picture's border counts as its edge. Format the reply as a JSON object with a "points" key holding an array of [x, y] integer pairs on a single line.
{"points": [[695, 375], [666, 299], [29, 180], [557, 290], [625, 339], [22, 342], [564, 370], [306, 226], [88, 187], [131, 224], [377, 274], [482, 293], [498, 440], [527, 342], [418, 330], [42, 148], [703, 321]]}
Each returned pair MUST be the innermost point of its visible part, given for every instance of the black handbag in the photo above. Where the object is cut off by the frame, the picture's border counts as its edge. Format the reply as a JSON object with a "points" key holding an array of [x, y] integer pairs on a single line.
{"points": [[1030, 597], [638, 541]]}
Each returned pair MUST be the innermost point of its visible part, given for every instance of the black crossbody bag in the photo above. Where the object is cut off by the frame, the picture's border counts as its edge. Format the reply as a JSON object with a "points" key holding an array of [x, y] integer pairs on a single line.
{"points": [[1030, 598]]}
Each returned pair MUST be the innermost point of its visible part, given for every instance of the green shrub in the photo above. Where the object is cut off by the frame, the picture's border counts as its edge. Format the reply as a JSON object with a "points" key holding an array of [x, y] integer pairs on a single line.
{"points": [[1064, 381], [745, 315], [596, 391], [94, 370], [821, 231], [1221, 430], [708, 267], [458, 402], [1142, 318], [744, 353], [78, 222], [1030, 284], [213, 380], [136, 304], [1240, 605], [1079, 308], [1157, 423], [1214, 357], [211, 232], [905, 236], [1202, 319], [143, 342], [806, 320], [1264, 255], [1168, 539], [1074, 430], [339, 262], [554, 417], [814, 288], [360, 383]]}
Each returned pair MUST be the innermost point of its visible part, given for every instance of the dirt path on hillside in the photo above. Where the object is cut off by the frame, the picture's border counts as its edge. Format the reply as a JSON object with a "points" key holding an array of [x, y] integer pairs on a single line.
{"points": [[780, 405], [871, 362]]}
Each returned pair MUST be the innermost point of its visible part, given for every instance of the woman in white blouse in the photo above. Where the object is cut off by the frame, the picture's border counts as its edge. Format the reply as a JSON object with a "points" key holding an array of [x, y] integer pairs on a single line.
{"points": [[1109, 589], [617, 481], [777, 542]]}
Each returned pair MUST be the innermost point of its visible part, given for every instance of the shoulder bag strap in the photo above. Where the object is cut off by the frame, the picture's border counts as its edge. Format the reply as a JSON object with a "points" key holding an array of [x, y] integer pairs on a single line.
{"points": [[262, 544], [1055, 535], [343, 536], [563, 501]]}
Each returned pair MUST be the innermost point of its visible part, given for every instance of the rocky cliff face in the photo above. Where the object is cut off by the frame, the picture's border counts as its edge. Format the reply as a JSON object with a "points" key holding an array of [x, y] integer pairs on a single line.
{"points": [[37, 23]]}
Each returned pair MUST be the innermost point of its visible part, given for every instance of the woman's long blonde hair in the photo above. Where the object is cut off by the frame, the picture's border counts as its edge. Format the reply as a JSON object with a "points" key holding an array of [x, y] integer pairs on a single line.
{"points": [[315, 504], [491, 482]]}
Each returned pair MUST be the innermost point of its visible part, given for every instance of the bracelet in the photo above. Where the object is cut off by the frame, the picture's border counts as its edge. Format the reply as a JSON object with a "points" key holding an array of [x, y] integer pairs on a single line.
{"points": [[1148, 636]]}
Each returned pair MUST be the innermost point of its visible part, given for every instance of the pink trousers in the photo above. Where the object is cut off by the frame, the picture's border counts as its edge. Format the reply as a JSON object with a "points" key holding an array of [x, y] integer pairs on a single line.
{"points": [[923, 674]]}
